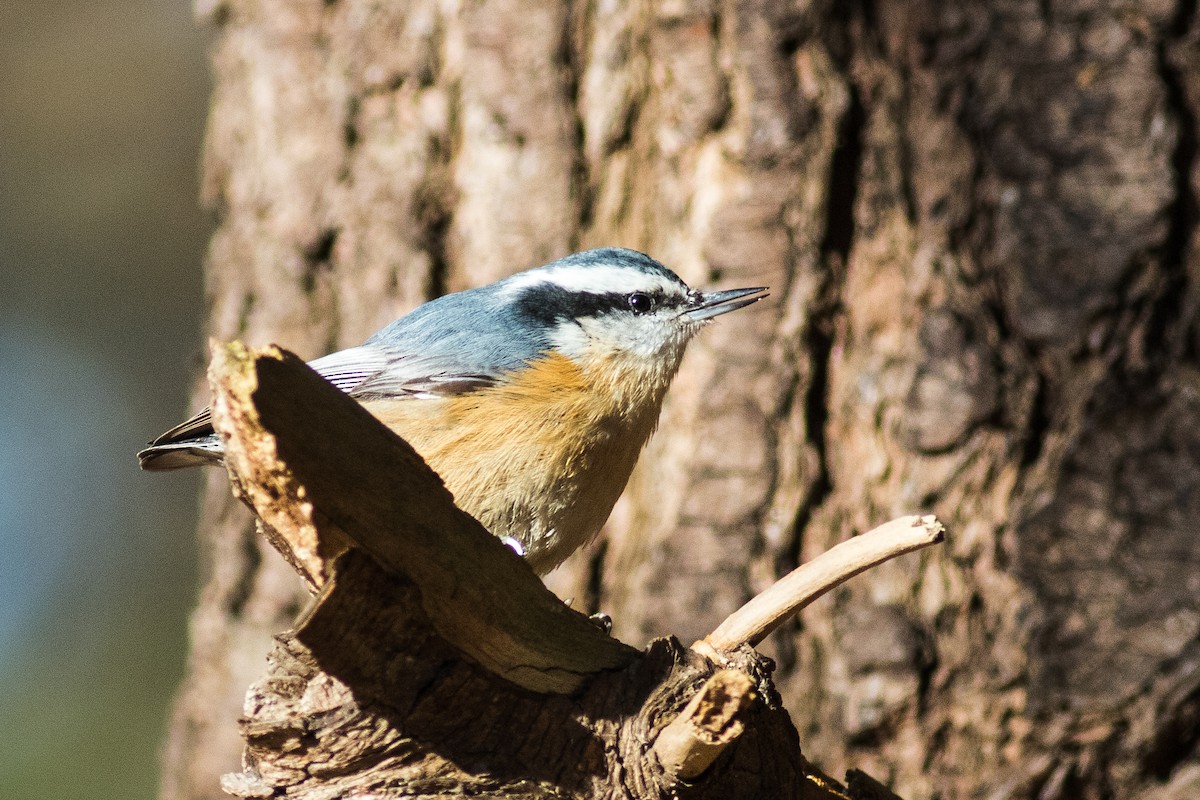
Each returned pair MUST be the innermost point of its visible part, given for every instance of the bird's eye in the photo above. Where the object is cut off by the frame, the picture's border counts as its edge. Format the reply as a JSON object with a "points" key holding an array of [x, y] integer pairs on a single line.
{"points": [[641, 303]]}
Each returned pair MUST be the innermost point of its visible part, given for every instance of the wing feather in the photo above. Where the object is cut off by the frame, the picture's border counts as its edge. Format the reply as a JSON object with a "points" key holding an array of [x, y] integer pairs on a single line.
{"points": [[366, 371]]}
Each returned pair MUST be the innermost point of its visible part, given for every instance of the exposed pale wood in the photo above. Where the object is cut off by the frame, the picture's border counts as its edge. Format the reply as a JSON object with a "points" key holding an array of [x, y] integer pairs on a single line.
{"points": [[710, 722], [754, 621], [359, 480], [258, 476]]}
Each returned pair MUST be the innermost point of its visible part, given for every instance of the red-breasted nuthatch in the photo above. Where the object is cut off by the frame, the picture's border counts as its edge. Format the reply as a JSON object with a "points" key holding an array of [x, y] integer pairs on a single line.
{"points": [[531, 397]]}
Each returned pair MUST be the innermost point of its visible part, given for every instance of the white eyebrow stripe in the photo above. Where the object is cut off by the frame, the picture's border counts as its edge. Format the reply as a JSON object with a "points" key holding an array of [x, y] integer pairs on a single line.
{"points": [[597, 279]]}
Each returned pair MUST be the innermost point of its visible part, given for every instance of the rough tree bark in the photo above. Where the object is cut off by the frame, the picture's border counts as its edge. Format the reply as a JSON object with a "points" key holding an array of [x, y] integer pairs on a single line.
{"points": [[978, 222]]}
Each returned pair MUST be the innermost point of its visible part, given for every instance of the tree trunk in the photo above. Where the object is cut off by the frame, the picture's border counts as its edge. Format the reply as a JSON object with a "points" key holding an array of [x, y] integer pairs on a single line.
{"points": [[977, 222]]}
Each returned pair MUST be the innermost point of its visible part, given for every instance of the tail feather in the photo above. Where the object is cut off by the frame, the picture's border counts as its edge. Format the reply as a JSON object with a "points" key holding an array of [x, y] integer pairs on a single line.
{"points": [[176, 455]]}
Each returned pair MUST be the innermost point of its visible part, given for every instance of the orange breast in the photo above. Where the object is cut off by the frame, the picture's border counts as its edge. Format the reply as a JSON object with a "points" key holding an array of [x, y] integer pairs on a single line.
{"points": [[541, 456]]}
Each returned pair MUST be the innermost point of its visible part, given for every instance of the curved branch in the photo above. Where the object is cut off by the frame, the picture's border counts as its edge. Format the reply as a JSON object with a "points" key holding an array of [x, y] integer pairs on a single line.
{"points": [[754, 621]]}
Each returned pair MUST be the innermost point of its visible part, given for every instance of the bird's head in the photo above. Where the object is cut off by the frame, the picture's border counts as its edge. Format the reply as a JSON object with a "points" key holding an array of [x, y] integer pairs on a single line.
{"points": [[617, 307]]}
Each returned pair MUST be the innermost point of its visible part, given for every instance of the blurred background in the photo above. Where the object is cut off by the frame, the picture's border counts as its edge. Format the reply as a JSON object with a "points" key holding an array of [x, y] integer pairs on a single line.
{"points": [[101, 240]]}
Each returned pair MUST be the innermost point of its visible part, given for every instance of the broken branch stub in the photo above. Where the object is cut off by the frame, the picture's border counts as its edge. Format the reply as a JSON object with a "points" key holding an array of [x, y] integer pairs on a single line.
{"points": [[711, 721], [259, 477], [360, 482]]}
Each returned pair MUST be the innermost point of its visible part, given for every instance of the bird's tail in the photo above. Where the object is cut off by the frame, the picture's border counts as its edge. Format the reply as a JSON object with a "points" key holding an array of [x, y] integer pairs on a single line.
{"points": [[188, 453]]}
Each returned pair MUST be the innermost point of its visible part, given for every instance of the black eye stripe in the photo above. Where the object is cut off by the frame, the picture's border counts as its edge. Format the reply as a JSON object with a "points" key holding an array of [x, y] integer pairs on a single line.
{"points": [[549, 303]]}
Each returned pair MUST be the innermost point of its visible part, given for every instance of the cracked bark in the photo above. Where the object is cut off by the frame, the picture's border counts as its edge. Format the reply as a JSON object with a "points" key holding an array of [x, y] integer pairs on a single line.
{"points": [[977, 220]]}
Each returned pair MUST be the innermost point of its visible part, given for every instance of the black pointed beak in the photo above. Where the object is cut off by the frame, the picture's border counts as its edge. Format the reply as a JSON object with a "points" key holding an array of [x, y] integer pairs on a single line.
{"points": [[707, 305]]}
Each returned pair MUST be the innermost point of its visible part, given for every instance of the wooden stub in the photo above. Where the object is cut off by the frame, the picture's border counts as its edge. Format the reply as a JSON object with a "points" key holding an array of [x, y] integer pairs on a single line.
{"points": [[710, 722], [258, 475]]}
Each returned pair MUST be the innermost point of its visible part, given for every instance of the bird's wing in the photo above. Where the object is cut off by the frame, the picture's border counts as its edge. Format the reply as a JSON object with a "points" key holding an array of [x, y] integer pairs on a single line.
{"points": [[372, 370], [445, 347], [368, 371], [346, 369]]}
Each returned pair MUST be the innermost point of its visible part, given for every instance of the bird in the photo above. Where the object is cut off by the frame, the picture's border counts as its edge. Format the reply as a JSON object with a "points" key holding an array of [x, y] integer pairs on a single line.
{"points": [[531, 397]]}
